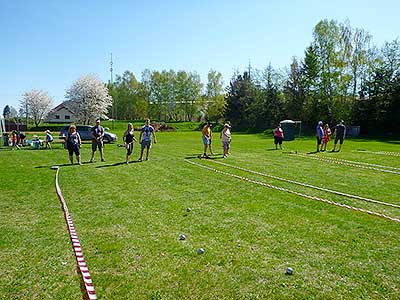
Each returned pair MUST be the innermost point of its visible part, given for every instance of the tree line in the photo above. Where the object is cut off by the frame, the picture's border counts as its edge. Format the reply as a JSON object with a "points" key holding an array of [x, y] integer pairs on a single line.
{"points": [[342, 76]]}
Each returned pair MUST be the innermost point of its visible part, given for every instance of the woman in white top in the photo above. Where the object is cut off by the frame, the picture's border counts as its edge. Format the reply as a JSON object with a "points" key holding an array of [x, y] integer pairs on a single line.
{"points": [[226, 139]]}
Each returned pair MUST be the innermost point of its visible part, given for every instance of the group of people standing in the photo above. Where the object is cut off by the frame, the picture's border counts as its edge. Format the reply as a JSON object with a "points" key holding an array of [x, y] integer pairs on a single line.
{"points": [[74, 142], [225, 136], [323, 134], [147, 137]]}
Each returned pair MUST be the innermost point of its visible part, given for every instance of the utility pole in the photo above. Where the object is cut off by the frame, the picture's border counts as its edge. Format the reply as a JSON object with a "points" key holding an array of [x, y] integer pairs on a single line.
{"points": [[114, 109]]}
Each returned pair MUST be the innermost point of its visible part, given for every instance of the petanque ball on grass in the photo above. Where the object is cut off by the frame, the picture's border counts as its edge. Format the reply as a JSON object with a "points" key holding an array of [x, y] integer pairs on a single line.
{"points": [[182, 237], [188, 209], [289, 271], [200, 251]]}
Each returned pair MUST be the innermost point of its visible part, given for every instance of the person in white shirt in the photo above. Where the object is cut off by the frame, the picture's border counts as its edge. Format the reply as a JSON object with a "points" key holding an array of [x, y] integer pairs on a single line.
{"points": [[226, 139]]}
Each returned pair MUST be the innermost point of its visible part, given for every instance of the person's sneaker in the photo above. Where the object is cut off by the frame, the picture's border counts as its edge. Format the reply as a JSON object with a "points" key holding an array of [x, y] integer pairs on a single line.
{"points": [[225, 156], [127, 162], [147, 158], [80, 163], [91, 161], [103, 160], [140, 159]]}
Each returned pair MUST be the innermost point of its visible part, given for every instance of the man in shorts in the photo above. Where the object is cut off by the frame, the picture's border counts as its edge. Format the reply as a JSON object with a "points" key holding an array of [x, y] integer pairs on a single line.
{"points": [[146, 134], [97, 140], [340, 133], [207, 136]]}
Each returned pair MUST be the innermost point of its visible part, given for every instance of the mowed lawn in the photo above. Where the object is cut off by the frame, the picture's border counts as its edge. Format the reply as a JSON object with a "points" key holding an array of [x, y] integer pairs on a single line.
{"points": [[129, 217]]}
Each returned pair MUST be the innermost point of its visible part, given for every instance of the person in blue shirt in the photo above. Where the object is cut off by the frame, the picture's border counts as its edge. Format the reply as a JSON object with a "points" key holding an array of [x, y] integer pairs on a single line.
{"points": [[146, 134], [319, 133]]}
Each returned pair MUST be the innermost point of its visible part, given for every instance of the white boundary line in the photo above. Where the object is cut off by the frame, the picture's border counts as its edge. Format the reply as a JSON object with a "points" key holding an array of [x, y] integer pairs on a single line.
{"points": [[343, 162], [80, 260], [296, 193], [308, 185]]}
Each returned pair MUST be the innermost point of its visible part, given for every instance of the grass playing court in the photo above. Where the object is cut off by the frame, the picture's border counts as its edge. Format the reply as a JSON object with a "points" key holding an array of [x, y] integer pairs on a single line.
{"points": [[129, 218]]}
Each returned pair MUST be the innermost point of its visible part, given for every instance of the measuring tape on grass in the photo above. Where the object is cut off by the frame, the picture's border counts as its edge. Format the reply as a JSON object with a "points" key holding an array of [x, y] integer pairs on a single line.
{"points": [[295, 193], [380, 152], [308, 185], [80, 260], [350, 163]]}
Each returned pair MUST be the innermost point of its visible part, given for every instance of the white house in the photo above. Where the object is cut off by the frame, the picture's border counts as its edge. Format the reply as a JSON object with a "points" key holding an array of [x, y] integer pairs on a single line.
{"points": [[61, 114]]}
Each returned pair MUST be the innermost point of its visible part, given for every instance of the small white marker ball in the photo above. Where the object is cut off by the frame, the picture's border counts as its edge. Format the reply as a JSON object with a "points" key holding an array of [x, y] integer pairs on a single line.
{"points": [[182, 237], [289, 271]]}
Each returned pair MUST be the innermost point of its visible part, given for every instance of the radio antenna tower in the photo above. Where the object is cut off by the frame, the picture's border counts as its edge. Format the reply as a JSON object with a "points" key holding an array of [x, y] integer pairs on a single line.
{"points": [[111, 69]]}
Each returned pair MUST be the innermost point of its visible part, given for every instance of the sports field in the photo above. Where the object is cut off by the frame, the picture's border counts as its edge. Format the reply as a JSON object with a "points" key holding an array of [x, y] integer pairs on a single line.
{"points": [[129, 218]]}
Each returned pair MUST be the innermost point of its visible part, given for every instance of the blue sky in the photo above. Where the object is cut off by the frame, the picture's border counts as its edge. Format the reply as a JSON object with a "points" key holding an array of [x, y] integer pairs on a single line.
{"points": [[49, 44]]}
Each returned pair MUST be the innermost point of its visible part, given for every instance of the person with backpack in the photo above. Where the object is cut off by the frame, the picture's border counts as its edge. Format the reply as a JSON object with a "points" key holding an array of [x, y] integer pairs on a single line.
{"points": [[73, 141], [147, 132], [97, 140]]}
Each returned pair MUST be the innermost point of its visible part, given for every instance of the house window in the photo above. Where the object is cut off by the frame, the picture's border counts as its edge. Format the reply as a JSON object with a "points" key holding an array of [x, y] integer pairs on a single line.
{"points": [[67, 117], [57, 116]]}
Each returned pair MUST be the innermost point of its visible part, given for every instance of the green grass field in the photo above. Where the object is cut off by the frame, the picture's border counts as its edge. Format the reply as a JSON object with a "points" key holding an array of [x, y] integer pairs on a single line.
{"points": [[129, 217]]}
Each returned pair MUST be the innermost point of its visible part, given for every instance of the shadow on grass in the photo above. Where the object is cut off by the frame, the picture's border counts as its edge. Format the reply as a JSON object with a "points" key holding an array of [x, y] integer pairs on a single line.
{"points": [[115, 164], [199, 156], [63, 165]]}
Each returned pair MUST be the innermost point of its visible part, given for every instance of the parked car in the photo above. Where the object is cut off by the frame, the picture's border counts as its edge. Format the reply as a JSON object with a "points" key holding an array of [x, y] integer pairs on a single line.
{"points": [[86, 133]]}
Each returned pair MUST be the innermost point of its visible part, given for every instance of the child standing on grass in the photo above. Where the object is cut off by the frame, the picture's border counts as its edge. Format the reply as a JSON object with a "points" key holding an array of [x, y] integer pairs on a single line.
{"points": [[278, 137], [129, 138], [73, 140], [226, 139], [14, 140], [326, 138]]}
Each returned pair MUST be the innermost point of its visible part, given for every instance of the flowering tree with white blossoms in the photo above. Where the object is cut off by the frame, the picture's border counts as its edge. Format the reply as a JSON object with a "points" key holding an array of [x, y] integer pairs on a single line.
{"points": [[88, 98], [36, 104]]}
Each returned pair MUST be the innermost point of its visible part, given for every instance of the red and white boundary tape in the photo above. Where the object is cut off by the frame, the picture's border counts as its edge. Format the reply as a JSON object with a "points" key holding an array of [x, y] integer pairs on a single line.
{"points": [[308, 185], [351, 163], [89, 288], [380, 152], [296, 193]]}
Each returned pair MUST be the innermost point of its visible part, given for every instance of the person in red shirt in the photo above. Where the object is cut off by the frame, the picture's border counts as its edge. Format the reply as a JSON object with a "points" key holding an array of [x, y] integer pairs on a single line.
{"points": [[326, 138], [278, 137]]}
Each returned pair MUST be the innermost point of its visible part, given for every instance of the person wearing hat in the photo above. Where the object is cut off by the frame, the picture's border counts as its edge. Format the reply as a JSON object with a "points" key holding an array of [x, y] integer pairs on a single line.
{"points": [[225, 137], [340, 133], [49, 139], [320, 135]]}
